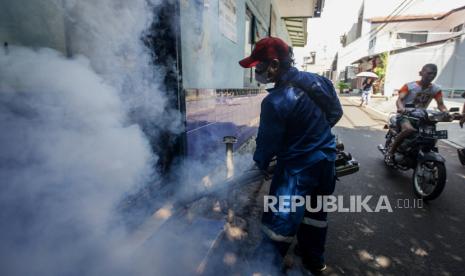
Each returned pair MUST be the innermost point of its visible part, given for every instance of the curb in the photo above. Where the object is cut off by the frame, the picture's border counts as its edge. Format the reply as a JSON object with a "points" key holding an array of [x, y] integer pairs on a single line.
{"points": [[452, 144], [371, 108]]}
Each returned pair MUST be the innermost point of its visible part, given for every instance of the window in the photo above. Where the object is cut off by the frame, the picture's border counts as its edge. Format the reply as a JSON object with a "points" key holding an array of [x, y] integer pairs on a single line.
{"points": [[310, 59], [457, 28], [372, 43], [414, 37]]}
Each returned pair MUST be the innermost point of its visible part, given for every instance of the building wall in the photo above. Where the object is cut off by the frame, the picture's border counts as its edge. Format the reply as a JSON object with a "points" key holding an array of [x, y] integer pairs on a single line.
{"points": [[434, 27], [357, 27], [210, 59], [218, 101], [455, 19], [41, 29], [374, 8], [450, 57], [386, 40]]}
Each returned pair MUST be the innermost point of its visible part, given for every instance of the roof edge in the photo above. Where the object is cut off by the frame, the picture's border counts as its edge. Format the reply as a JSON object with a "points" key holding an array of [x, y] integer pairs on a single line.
{"points": [[406, 18]]}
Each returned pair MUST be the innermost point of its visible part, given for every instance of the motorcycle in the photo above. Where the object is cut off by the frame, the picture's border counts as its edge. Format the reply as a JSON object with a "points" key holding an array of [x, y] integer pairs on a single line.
{"points": [[419, 151]]}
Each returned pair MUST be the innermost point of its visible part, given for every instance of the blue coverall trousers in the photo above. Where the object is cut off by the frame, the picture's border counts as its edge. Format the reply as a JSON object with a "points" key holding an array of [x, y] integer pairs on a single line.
{"points": [[280, 228]]}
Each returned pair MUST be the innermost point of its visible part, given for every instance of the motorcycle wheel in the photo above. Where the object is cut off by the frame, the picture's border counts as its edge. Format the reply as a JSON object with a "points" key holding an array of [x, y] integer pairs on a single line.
{"points": [[429, 180]]}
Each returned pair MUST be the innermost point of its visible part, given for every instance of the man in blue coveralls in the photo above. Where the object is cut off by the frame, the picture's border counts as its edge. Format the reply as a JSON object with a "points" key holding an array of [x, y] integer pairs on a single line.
{"points": [[295, 126]]}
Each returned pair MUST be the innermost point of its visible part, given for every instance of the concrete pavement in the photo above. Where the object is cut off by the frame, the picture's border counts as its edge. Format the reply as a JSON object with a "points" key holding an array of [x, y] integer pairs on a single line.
{"points": [[408, 241]]}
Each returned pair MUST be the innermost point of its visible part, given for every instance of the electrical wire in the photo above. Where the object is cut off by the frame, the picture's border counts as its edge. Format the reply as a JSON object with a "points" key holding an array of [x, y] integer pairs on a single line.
{"points": [[408, 5], [397, 10], [392, 15]]}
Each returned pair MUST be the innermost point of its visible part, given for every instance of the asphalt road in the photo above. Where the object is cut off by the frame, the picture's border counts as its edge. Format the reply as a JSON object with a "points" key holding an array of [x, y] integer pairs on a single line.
{"points": [[408, 241]]}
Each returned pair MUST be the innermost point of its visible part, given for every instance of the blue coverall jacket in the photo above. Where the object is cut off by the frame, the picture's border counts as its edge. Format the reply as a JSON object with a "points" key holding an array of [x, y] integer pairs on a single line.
{"points": [[293, 126]]}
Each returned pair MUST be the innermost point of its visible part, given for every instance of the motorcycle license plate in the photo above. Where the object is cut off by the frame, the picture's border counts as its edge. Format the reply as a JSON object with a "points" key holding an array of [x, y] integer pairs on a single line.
{"points": [[433, 134]]}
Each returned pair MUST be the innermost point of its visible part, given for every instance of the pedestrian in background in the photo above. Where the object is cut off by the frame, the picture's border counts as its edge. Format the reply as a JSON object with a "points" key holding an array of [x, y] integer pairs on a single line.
{"points": [[367, 90]]}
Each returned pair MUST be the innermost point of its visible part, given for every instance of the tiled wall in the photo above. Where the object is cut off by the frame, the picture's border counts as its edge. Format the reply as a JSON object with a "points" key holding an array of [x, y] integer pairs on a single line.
{"points": [[214, 113]]}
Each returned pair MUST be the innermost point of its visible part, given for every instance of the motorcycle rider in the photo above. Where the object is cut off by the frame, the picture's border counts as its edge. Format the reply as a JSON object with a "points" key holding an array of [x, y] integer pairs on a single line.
{"points": [[420, 94]]}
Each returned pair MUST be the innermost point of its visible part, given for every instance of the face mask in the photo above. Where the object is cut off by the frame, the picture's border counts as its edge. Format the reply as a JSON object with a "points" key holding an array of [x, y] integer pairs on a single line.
{"points": [[262, 78]]}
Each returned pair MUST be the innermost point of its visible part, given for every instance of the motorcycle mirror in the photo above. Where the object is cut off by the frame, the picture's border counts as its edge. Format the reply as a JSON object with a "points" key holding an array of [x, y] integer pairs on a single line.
{"points": [[454, 109]]}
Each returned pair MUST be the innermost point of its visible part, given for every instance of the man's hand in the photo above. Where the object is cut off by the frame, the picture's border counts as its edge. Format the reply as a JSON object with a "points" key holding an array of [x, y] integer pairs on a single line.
{"points": [[267, 175], [446, 116]]}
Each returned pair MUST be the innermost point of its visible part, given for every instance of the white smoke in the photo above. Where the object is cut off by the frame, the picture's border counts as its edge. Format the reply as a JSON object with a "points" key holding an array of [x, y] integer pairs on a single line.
{"points": [[110, 32], [68, 150], [67, 157]]}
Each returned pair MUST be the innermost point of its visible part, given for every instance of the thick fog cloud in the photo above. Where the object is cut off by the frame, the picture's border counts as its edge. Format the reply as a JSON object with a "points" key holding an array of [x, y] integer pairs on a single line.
{"points": [[67, 156], [69, 151]]}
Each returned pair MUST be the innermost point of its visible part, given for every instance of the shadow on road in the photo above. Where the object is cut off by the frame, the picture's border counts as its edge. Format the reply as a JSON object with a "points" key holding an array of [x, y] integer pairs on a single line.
{"points": [[410, 240]]}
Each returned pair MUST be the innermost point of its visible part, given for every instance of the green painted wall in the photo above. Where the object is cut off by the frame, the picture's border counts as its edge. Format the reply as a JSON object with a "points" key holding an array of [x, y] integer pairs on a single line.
{"points": [[210, 59], [22, 24]]}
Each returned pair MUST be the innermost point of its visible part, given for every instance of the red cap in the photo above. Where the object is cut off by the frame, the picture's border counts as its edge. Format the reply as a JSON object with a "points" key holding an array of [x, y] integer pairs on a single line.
{"points": [[266, 49]]}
